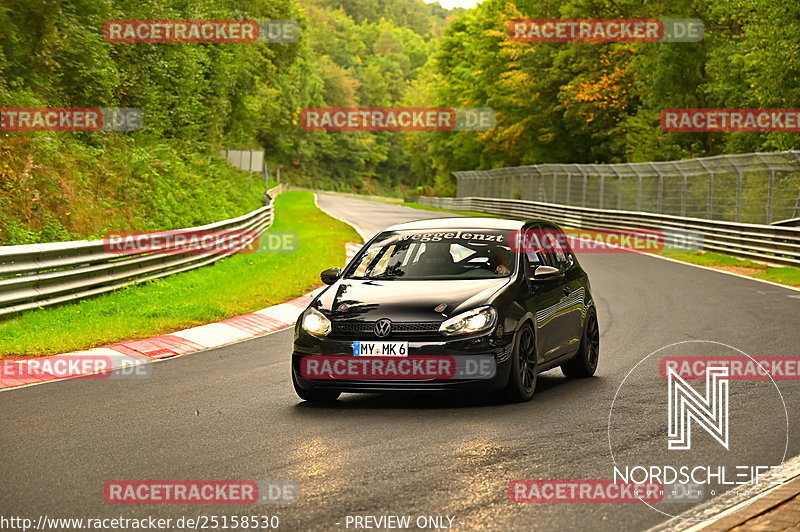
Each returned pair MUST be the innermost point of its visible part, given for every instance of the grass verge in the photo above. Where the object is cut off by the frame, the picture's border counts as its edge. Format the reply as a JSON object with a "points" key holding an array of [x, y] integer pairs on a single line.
{"points": [[236, 285], [777, 274]]}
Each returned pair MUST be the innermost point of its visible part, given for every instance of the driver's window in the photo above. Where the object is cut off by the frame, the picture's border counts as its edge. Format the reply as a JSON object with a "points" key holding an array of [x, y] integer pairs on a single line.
{"points": [[564, 253], [534, 257], [555, 255]]}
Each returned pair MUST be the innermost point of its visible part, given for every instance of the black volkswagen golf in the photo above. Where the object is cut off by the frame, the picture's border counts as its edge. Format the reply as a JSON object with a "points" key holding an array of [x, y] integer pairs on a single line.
{"points": [[474, 304]]}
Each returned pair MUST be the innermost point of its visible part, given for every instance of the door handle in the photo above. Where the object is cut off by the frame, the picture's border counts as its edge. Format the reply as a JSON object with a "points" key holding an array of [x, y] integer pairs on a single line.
{"points": [[567, 290]]}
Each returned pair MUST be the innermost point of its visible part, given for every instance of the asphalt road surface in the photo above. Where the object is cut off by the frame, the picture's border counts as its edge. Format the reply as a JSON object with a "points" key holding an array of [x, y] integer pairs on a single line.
{"points": [[231, 413]]}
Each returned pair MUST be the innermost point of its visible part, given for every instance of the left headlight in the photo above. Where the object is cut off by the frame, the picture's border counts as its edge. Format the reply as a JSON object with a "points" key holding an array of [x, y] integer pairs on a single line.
{"points": [[472, 321], [315, 323]]}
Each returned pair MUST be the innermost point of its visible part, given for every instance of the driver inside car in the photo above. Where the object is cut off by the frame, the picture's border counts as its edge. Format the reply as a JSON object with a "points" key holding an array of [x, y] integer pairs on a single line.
{"points": [[500, 261]]}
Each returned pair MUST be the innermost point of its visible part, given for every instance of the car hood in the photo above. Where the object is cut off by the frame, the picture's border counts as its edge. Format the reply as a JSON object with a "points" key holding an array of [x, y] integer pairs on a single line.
{"points": [[350, 299]]}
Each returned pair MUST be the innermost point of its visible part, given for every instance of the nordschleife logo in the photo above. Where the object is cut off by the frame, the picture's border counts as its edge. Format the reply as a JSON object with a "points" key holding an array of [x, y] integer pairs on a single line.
{"points": [[710, 411]]}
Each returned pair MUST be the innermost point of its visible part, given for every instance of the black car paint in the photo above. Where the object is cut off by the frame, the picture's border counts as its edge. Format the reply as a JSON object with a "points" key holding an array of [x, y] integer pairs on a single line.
{"points": [[519, 299]]}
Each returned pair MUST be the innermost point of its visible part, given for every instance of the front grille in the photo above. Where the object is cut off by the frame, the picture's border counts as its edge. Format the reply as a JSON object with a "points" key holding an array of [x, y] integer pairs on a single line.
{"points": [[415, 327], [398, 328]]}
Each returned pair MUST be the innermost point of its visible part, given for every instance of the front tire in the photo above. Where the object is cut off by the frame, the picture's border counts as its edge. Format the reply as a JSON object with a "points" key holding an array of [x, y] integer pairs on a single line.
{"points": [[524, 367], [314, 396], [584, 364]]}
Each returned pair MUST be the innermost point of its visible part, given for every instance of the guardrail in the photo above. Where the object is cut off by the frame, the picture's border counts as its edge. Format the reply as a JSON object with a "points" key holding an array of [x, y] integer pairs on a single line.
{"points": [[765, 243], [42, 275]]}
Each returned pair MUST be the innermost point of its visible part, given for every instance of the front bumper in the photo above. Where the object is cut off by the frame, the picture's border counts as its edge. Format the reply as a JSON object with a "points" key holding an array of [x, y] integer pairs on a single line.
{"points": [[487, 344]]}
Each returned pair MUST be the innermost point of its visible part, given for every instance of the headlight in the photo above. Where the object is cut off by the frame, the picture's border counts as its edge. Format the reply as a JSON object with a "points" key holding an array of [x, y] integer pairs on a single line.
{"points": [[476, 320], [315, 323]]}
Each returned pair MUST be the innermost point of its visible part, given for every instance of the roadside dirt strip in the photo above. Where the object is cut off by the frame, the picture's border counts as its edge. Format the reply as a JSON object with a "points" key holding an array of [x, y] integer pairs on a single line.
{"points": [[775, 510], [28, 371]]}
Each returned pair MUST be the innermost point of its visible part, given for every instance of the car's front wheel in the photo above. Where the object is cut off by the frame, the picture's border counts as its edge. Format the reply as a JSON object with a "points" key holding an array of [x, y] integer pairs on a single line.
{"points": [[584, 364], [524, 367], [314, 396]]}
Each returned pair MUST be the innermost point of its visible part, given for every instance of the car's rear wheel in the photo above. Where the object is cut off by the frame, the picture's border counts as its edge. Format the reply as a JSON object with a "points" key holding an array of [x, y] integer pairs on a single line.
{"points": [[524, 367], [314, 396], [584, 364]]}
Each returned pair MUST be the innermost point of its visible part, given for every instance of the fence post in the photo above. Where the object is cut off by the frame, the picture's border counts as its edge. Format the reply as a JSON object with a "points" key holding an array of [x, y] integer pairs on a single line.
{"points": [[710, 205], [532, 192], [660, 199], [585, 181], [684, 184], [602, 189], [684, 187], [639, 194], [771, 195], [555, 186], [738, 194], [569, 187]]}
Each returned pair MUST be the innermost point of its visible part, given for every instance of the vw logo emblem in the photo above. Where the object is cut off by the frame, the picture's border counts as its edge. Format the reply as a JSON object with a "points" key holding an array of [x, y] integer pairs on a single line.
{"points": [[383, 327]]}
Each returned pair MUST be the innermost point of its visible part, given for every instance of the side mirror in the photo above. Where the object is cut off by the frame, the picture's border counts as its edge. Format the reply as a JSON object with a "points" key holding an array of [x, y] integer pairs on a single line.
{"points": [[330, 275], [546, 273]]}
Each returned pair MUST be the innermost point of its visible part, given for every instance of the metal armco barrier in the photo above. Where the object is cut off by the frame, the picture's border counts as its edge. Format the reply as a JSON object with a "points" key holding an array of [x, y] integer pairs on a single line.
{"points": [[42, 275], [766, 243]]}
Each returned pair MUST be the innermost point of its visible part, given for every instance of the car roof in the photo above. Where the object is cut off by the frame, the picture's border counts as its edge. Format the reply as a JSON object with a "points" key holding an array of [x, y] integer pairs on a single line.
{"points": [[458, 223]]}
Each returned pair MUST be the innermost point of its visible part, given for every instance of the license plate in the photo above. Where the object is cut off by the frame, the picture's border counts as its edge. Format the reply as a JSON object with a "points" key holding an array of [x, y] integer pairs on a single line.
{"points": [[380, 349]]}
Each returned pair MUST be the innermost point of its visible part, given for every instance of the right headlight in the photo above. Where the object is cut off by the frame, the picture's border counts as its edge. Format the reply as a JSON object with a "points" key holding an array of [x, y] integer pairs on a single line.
{"points": [[472, 321], [315, 323]]}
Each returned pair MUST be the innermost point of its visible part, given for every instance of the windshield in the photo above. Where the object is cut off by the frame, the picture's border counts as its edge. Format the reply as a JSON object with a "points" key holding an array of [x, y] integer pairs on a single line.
{"points": [[449, 254]]}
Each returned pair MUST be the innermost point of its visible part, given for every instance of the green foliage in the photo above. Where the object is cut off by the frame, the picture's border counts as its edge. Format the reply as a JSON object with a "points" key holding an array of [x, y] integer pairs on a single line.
{"points": [[554, 102], [362, 54], [601, 102], [239, 284], [195, 100]]}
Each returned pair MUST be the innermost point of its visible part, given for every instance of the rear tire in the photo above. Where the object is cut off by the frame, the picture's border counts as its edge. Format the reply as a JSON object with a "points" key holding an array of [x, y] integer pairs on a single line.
{"points": [[314, 396], [584, 364], [524, 367]]}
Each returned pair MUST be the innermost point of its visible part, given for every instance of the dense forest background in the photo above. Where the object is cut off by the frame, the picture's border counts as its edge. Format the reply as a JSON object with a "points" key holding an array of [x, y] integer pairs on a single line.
{"points": [[576, 103]]}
